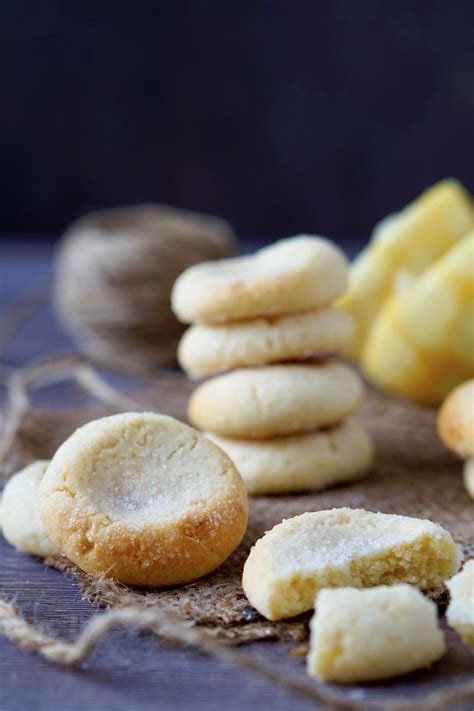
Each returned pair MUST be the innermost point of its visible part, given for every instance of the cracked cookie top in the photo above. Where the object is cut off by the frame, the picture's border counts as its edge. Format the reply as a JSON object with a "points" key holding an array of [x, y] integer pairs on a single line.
{"points": [[144, 499]]}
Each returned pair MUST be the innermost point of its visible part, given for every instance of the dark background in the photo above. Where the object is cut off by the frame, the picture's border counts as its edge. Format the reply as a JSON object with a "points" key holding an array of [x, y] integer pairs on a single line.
{"points": [[280, 116]]}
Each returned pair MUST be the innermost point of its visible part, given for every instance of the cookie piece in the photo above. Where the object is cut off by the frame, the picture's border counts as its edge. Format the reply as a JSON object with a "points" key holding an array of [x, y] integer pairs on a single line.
{"points": [[143, 499], [456, 420], [209, 349], [468, 476], [364, 635], [296, 274], [296, 463], [257, 403], [20, 515], [402, 246], [340, 548], [460, 613], [421, 343]]}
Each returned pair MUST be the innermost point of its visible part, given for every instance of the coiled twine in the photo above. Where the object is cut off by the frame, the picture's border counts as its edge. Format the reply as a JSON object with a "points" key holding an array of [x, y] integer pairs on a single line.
{"points": [[114, 272]]}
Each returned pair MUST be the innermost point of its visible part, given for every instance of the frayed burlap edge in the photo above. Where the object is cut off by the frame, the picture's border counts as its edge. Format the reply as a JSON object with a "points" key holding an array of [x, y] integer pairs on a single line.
{"points": [[174, 618], [241, 626]]}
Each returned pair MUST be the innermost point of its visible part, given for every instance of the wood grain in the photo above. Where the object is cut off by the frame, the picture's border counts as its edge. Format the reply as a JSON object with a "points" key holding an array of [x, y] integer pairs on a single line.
{"points": [[129, 671]]}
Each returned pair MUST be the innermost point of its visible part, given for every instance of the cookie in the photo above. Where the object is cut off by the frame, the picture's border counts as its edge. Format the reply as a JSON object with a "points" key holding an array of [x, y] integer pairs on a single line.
{"points": [[402, 246], [456, 428], [421, 343], [340, 548], [365, 635], [468, 476], [209, 349], [285, 465], [456, 419], [20, 515], [257, 403], [143, 499], [296, 274], [460, 613]]}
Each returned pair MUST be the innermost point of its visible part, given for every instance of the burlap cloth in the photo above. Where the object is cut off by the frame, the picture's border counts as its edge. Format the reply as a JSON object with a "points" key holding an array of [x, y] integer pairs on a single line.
{"points": [[413, 475]]}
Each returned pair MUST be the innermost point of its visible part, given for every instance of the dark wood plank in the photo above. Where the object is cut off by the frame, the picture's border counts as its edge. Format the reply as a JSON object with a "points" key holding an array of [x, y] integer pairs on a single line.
{"points": [[129, 671], [125, 672]]}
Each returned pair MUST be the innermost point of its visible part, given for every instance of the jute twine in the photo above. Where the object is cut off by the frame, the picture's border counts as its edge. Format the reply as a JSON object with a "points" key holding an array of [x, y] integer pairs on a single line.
{"points": [[49, 371], [28, 637], [128, 608], [114, 273]]}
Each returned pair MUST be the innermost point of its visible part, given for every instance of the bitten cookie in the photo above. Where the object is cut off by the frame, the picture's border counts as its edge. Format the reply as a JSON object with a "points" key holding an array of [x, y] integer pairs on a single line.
{"points": [[20, 515], [364, 635], [460, 613], [300, 462], [340, 548], [295, 274], [209, 349], [143, 499], [257, 403]]}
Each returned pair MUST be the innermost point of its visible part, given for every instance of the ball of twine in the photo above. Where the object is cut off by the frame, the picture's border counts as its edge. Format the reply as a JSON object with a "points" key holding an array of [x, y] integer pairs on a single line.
{"points": [[113, 277]]}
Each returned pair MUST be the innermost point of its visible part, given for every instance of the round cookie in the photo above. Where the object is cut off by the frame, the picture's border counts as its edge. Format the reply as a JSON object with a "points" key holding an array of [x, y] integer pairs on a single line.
{"points": [[468, 476], [258, 403], [365, 635], [20, 515], [460, 612], [209, 349], [144, 499], [340, 548], [296, 274], [456, 420], [300, 462]]}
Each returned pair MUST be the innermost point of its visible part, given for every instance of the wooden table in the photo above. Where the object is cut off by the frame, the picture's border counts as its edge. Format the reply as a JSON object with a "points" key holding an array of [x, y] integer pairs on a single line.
{"points": [[167, 677], [127, 670]]}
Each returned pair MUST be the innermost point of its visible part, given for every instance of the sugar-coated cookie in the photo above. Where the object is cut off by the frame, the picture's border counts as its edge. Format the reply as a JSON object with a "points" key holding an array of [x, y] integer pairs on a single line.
{"points": [[143, 499], [456, 419], [468, 475], [20, 514], [364, 635], [300, 462], [340, 548], [209, 349], [460, 613], [295, 274], [403, 245], [257, 403]]}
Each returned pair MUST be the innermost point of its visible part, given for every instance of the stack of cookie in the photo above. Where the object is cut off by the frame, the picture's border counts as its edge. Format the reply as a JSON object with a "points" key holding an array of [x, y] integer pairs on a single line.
{"points": [[282, 407]]}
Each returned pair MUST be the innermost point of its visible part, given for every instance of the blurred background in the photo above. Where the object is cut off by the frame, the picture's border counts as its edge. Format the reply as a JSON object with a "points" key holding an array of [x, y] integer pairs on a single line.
{"points": [[280, 116]]}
